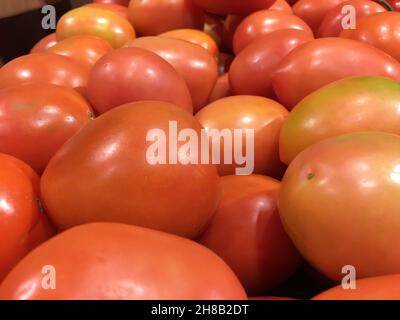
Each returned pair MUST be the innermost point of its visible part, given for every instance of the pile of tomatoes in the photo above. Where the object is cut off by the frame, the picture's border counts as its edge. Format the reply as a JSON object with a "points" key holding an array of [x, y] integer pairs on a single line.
{"points": [[85, 215]]}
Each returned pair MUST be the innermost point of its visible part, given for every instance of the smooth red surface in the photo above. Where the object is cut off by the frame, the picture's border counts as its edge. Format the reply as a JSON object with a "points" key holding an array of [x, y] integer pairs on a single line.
{"points": [[241, 7]]}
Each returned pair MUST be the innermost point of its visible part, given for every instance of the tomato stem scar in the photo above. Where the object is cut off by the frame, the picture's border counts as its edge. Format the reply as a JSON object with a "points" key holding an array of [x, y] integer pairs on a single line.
{"points": [[310, 176]]}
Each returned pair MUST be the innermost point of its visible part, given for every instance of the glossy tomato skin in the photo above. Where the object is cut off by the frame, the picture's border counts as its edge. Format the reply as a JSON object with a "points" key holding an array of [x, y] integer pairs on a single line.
{"points": [[247, 233], [116, 8], [22, 225], [331, 25], [119, 2], [349, 105], [379, 30], [222, 89], [133, 74], [96, 22], [86, 50], [153, 17], [251, 70], [333, 59], [161, 266], [281, 5], [193, 63], [351, 181], [36, 119], [264, 22], [112, 155], [45, 68], [262, 115], [233, 6], [45, 43]]}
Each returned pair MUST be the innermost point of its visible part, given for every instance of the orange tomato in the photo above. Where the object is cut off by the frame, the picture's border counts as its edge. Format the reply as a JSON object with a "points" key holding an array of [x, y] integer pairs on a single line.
{"points": [[222, 89], [45, 43], [116, 8]]}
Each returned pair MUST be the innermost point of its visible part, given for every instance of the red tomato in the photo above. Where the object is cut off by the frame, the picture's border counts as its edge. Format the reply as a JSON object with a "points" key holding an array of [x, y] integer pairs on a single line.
{"points": [[152, 17], [262, 115], [332, 59], [230, 25], [393, 5], [111, 154], [101, 23], [133, 74], [120, 2], [105, 261], [339, 203], [22, 225], [247, 233], [281, 5], [250, 72], [331, 25], [376, 288], [379, 30], [121, 10], [233, 6], [36, 119], [222, 89], [83, 49], [45, 43], [45, 68], [264, 22], [195, 65]]}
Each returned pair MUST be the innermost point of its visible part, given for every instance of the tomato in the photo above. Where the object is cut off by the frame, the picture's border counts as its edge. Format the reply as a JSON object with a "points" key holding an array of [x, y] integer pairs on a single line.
{"points": [[121, 10], [46, 68], [133, 74], [247, 233], [376, 288], [379, 30], [264, 22], [272, 298], [120, 2], [221, 89], [194, 64], [36, 119], [339, 203], [233, 6], [281, 5], [22, 225], [83, 49], [331, 25], [314, 11], [349, 105], [194, 36], [250, 72], [213, 26], [117, 262], [96, 22], [111, 155], [332, 59], [44, 44], [392, 5], [262, 115], [152, 17]]}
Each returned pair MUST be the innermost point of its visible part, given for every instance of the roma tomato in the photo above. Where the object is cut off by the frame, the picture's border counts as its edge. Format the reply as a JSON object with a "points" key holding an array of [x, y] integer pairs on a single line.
{"points": [[221, 89], [379, 30], [247, 233], [348, 105], [194, 64], [124, 181], [116, 8], [264, 22], [332, 59], [331, 25], [120, 2], [36, 119], [250, 72], [118, 262], [22, 225], [45, 43], [153, 17], [46, 68], [83, 49], [264, 116], [133, 74], [233, 6], [344, 193], [96, 22]]}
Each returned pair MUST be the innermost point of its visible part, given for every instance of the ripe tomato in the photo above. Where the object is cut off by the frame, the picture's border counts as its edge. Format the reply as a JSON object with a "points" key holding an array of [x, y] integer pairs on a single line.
{"points": [[44, 44], [281, 5], [233, 6], [36, 119], [247, 233], [251, 70], [111, 154], [120, 2], [95, 22], [83, 49], [22, 225], [331, 25], [264, 22], [116, 8], [221, 89], [153, 17], [133, 74], [195, 65], [45, 68], [339, 202], [332, 59], [262, 115], [117, 261]]}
